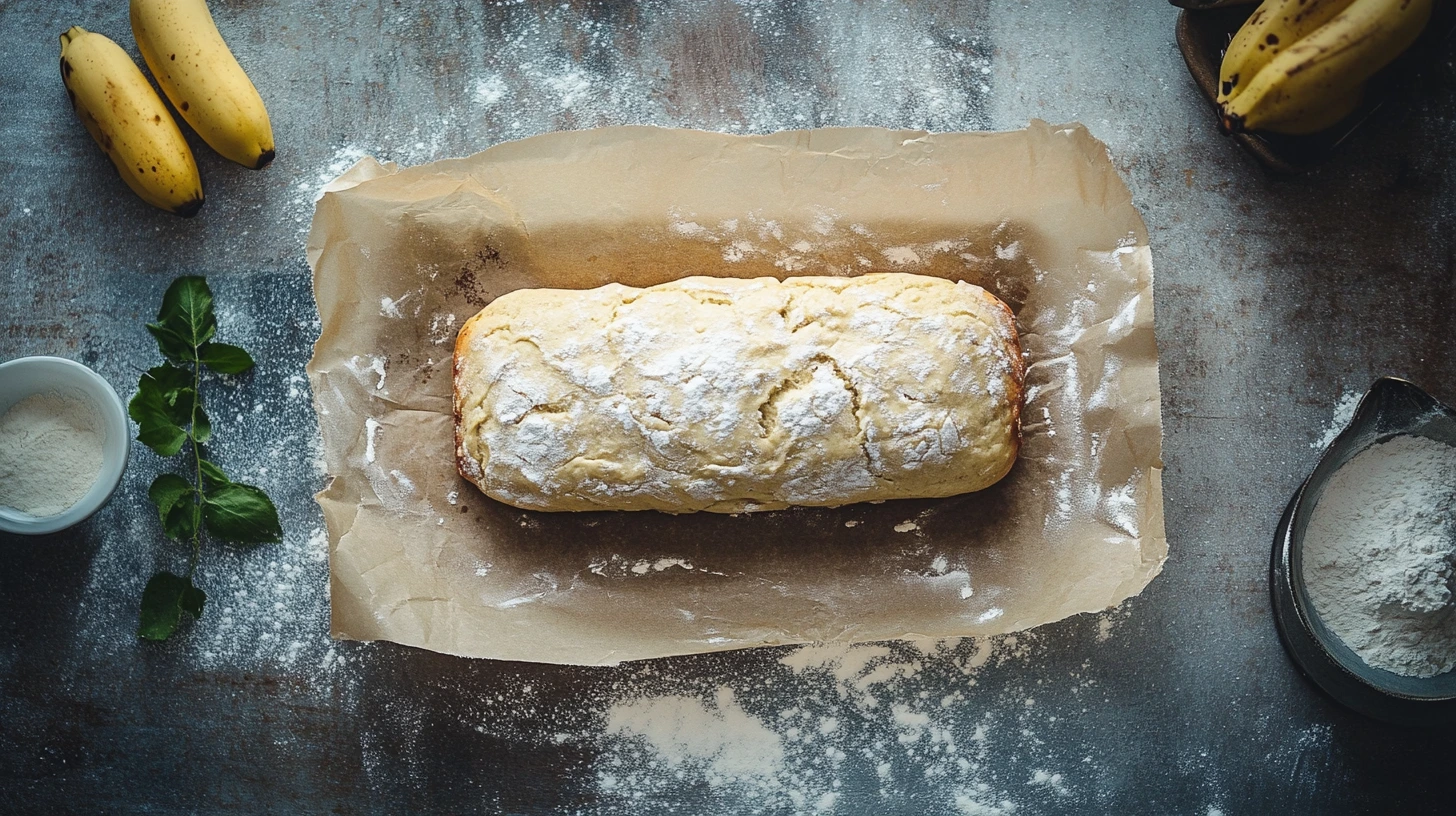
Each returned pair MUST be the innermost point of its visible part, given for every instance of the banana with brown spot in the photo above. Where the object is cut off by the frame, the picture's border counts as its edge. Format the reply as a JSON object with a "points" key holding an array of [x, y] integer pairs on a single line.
{"points": [[1320, 79], [1274, 26], [129, 121], [202, 78]]}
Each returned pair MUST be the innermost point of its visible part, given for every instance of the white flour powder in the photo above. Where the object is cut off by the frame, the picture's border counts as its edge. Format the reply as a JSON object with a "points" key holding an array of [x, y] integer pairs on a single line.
{"points": [[726, 742], [827, 727], [50, 453], [1344, 412], [1378, 556]]}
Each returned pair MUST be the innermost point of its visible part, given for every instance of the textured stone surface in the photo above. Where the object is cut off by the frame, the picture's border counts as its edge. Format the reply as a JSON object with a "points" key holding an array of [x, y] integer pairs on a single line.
{"points": [[1275, 298]]}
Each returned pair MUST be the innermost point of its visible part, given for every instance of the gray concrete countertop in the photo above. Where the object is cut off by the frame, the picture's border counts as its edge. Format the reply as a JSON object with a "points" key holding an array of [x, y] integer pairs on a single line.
{"points": [[1275, 299]]}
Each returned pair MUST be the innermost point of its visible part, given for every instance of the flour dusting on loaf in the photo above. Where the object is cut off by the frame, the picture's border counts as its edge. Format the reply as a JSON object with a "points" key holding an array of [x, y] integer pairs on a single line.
{"points": [[732, 395]]}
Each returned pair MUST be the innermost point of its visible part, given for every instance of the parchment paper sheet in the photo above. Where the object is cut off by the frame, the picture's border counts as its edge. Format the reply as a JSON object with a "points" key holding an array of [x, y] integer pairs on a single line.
{"points": [[401, 257]]}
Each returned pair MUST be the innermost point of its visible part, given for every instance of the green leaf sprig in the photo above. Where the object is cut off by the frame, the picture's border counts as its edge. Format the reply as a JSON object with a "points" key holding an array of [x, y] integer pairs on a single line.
{"points": [[169, 415]]}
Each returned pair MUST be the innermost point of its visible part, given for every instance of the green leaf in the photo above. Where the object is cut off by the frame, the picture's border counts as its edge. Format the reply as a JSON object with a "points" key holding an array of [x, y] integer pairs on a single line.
{"points": [[240, 513], [180, 514], [164, 600], [182, 519], [224, 358], [170, 379], [166, 440], [163, 407], [212, 472], [193, 600], [173, 345], [186, 313], [153, 413], [182, 401], [166, 491], [201, 426]]}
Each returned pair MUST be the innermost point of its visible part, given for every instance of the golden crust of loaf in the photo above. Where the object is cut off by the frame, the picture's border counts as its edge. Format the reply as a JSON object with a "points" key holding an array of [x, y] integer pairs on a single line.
{"points": [[731, 395]]}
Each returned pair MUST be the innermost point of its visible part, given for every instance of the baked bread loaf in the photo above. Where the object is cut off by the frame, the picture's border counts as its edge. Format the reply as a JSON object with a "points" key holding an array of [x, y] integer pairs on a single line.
{"points": [[732, 395]]}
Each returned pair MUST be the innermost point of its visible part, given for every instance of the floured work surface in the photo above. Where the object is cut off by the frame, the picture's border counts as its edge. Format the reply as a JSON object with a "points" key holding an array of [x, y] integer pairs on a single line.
{"points": [[402, 258]]}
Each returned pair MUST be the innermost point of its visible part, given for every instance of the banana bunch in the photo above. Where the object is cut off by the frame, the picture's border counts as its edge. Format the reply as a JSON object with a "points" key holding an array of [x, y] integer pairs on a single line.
{"points": [[1299, 66], [199, 75]]}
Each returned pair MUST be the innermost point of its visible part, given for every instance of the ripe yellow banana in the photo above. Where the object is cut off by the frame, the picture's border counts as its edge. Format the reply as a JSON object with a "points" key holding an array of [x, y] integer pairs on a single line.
{"points": [[198, 72], [1274, 26], [1318, 80], [128, 120]]}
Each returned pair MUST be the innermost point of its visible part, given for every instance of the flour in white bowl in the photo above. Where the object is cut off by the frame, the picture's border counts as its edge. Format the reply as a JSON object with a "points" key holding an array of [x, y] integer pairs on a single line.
{"points": [[50, 453], [1378, 556]]}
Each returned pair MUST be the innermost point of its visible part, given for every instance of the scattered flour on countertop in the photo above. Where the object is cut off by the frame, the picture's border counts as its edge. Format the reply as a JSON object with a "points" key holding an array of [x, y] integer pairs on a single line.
{"points": [[1344, 412], [50, 453], [787, 736], [559, 67], [269, 609], [1378, 555], [728, 744], [308, 191]]}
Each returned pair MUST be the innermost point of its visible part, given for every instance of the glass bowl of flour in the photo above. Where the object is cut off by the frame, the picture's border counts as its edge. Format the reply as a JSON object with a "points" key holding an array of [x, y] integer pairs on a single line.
{"points": [[64, 441], [1364, 563]]}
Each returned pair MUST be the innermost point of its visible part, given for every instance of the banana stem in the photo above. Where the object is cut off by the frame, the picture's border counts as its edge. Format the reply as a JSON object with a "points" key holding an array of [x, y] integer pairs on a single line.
{"points": [[1230, 123]]}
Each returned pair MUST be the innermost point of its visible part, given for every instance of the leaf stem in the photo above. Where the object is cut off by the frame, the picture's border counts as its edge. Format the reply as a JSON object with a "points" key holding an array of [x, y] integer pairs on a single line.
{"points": [[196, 464]]}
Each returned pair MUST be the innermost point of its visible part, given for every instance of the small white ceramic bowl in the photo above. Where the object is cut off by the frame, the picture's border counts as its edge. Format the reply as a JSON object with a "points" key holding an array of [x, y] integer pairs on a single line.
{"points": [[36, 375]]}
